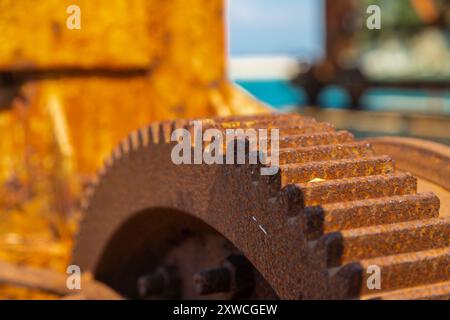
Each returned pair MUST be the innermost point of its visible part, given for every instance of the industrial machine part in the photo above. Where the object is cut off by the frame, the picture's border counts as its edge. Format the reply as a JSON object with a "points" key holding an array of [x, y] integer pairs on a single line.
{"points": [[315, 230]]}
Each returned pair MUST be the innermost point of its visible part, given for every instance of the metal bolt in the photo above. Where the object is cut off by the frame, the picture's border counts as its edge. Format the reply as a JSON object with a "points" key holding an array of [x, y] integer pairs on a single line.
{"points": [[234, 277], [152, 284], [163, 282], [213, 281]]}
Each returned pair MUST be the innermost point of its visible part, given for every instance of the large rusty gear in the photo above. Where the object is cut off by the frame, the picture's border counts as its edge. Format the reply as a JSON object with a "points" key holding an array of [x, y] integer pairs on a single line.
{"points": [[153, 228]]}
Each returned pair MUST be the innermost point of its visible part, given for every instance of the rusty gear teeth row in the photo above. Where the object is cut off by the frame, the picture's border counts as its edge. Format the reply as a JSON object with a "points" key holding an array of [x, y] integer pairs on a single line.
{"points": [[334, 209]]}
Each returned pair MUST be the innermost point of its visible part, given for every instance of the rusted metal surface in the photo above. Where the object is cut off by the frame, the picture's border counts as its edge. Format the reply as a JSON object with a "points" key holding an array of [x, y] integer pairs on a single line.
{"points": [[333, 217], [426, 159], [439, 291], [310, 232], [53, 282]]}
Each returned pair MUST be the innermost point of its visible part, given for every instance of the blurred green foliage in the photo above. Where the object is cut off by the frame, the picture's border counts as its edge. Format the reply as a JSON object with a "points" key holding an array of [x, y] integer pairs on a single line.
{"points": [[400, 15]]}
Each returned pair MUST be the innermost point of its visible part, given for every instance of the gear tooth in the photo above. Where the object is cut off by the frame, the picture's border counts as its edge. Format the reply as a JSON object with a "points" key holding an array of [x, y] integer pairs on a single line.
{"points": [[134, 140], [145, 136], [173, 126], [176, 126], [187, 126], [418, 268], [150, 133], [153, 133], [351, 245], [340, 216], [117, 152], [87, 196], [435, 291], [84, 205], [179, 123], [165, 130], [95, 180], [162, 133], [357, 188], [316, 139], [184, 123], [141, 137], [306, 128], [109, 161], [328, 152], [101, 172], [292, 197], [125, 145], [337, 169], [209, 123], [89, 191]]}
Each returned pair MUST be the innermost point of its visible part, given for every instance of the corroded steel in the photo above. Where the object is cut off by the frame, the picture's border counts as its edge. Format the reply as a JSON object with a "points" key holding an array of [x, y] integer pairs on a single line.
{"points": [[311, 231], [411, 153]]}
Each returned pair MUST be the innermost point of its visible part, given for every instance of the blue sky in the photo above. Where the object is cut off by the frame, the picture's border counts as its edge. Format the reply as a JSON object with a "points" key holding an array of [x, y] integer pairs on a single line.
{"points": [[292, 27]]}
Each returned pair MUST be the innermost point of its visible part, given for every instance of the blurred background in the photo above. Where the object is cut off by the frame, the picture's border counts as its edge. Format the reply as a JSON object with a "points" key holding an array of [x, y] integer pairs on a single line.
{"points": [[298, 53]]}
